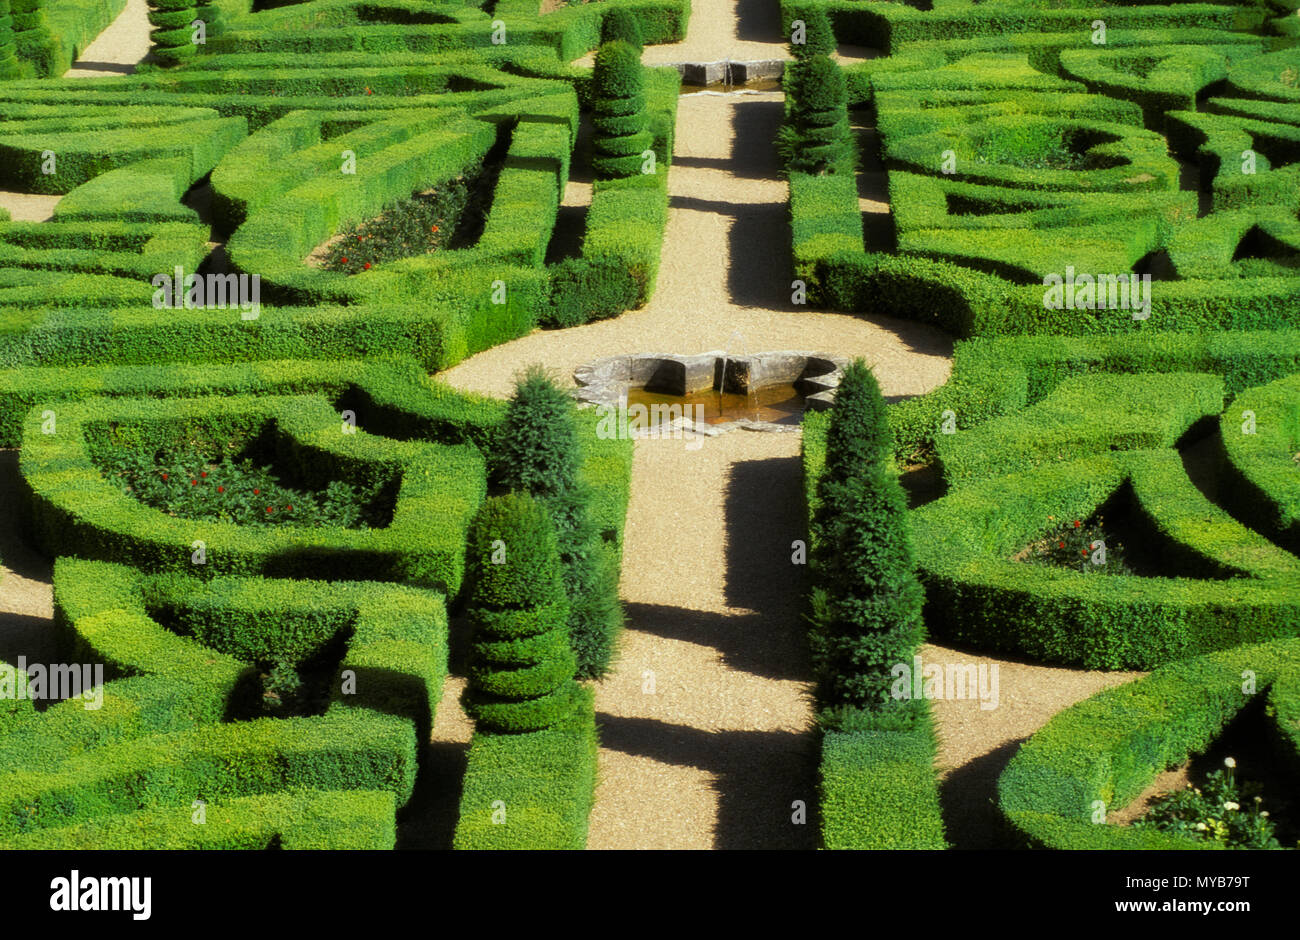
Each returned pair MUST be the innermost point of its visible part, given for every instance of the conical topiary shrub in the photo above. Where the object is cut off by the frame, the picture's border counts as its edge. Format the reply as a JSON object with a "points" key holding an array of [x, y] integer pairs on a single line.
{"points": [[859, 435], [173, 38], [619, 117], [867, 600], [621, 24], [521, 666], [818, 36], [817, 140], [536, 450]]}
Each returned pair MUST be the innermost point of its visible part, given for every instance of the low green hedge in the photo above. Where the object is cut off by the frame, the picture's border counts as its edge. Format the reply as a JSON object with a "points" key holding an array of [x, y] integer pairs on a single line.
{"points": [[995, 377], [878, 787], [390, 398], [1103, 752], [532, 790], [342, 750], [1083, 415], [74, 510], [1263, 474], [977, 595], [306, 819]]}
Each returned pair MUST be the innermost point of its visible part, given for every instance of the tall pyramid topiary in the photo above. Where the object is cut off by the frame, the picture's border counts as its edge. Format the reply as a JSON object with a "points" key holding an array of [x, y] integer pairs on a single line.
{"points": [[817, 138], [619, 119], [818, 36], [521, 667], [536, 450], [867, 600]]}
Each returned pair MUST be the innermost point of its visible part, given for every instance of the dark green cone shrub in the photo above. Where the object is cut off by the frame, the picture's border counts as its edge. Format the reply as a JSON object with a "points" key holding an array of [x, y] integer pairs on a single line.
{"points": [[819, 37], [859, 436], [867, 601], [537, 451], [620, 24], [521, 668], [817, 139], [619, 118]]}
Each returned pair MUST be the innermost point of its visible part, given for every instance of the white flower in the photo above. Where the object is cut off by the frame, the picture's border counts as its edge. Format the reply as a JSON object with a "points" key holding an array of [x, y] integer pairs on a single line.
{"points": [[1201, 826], [1229, 762], [1263, 812], [1230, 805], [1259, 799]]}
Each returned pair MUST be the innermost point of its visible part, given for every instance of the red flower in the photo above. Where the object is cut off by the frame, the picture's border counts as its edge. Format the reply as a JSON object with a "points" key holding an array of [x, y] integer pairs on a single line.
{"points": [[433, 228], [164, 476], [269, 509], [221, 489], [1076, 523], [194, 482], [366, 266], [204, 474], [290, 508], [1083, 551], [255, 492], [1062, 545], [344, 260]]}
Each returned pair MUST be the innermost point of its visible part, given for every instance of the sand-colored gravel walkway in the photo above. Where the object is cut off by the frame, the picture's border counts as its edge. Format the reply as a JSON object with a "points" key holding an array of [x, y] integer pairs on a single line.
{"points": [[122, 45], [724, 277], [705, 721], [731, 30], [26, 597], [975, 744]]}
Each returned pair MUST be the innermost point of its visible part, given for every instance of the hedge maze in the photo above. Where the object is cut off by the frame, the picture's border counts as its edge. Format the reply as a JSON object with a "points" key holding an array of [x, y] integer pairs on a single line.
{"points": [[1101, 201], [273, 235], [278, 682]]}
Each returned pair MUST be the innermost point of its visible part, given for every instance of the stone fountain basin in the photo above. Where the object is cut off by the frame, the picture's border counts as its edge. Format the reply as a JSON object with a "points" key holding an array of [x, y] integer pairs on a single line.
{"points": [[817, 375]]}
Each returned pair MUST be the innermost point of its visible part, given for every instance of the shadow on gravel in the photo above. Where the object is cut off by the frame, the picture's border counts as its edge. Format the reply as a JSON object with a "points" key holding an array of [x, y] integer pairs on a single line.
{"points": [[759, 775], [968, 799]]}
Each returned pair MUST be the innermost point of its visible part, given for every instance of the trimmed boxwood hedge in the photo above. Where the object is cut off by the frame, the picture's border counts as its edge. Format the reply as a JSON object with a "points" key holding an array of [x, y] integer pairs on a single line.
{"points": [[304, 819], [74, 510], [976, 594], [1105, 751], [1259, 453]]}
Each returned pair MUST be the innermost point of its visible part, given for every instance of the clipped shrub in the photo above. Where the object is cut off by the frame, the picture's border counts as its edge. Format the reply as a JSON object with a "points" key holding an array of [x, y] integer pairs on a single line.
{"points": [[584, 289], [817, 137], [537, 452], [867, 600], [859, 435], [620, 24], [619, 123], [8, 55], [819, 37], [521, 671]]}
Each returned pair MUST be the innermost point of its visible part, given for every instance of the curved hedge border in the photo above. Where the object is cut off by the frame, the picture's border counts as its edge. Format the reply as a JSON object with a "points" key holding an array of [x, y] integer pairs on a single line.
{"points": [[1265, 480], [1110, 747], [158, 742], [976, 594], [74, 510], [305, 819]]}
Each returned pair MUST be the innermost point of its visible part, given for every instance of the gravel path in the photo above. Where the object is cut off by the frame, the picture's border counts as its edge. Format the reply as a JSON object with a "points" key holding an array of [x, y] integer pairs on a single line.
{"points": [[975, 744], [26, 595], [725, 271], [119, 48], [735, 30], [705, 722]]}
